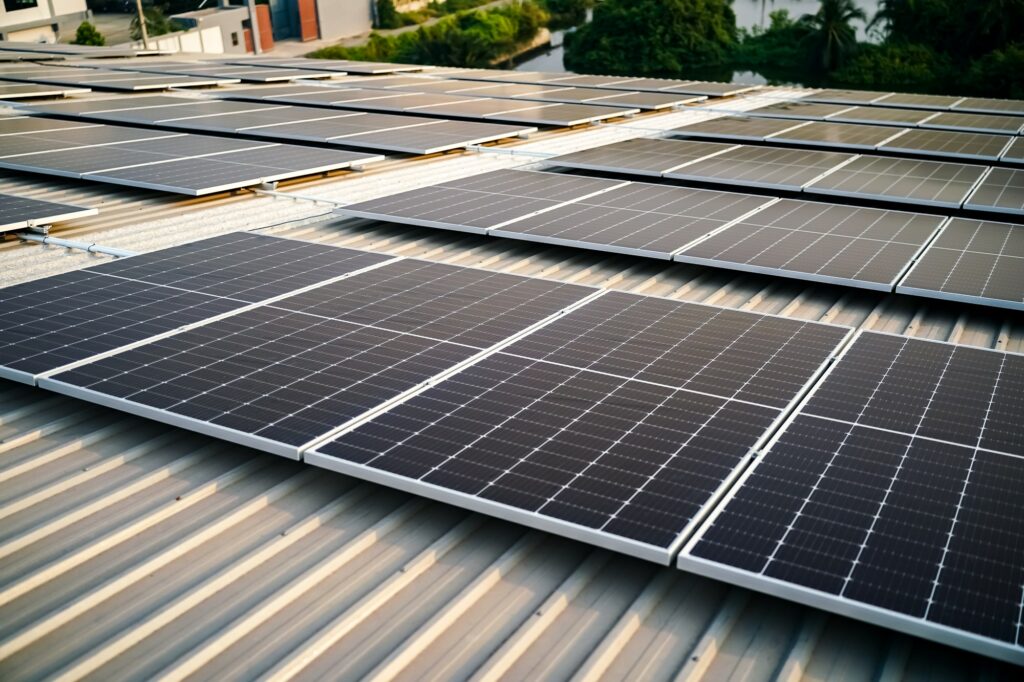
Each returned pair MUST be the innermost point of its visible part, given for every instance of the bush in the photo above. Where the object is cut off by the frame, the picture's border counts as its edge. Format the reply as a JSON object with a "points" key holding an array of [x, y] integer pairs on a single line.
{"points": [[470, 39], [387, 15], [782, 47], [653, 37], [88, 35], [566, 13], [904, 67], [999, 73]]}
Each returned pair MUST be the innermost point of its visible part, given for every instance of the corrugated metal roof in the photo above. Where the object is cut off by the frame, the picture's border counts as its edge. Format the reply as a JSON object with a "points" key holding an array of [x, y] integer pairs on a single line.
{"points": [[130, 550]]}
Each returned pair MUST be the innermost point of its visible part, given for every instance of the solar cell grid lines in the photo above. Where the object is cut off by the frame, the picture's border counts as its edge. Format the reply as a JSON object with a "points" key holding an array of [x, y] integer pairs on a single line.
{"points": [[1001, 191], [14, 91], [860, 247], [972, 261], [52, 322], [902, 99], [246, 74], [890, 495], [1015, 152], [835, 135], [881, 116], [949, 144], [18, 212], [845, 96], [982, 123], [102, 79], [767, 167], [638, 219], [737, 128], [640, 156], [616, 423], [339, 66], [985, 105], [804, 111], [930, 183], [278, 376]]}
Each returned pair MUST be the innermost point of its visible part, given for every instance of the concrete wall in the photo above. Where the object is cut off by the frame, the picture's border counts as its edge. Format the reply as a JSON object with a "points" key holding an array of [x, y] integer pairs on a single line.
{"points": [[44, 22], [341, 18], [224, 22]]}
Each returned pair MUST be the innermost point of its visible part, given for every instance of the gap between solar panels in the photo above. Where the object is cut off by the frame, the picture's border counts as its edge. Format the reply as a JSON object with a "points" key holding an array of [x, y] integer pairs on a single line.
{"points": [[17, 213]]}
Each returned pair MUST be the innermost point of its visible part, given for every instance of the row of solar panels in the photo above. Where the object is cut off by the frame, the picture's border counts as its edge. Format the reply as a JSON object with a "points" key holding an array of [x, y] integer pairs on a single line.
{"points": [[622, 420], [17, 212], [165, 161], [860, 176], [871, 248], [1007, 149], [51, 50]]}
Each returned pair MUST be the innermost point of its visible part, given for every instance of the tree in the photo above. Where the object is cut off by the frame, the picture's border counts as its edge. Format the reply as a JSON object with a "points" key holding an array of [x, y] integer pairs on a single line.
{"points": [[653, 37], [833, 36], [157, 23], [87, 34], [387, 15]]}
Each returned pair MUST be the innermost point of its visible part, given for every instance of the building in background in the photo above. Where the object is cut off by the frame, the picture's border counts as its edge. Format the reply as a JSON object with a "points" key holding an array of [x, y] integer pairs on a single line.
{"points": [[320, 19], [38, 21]]}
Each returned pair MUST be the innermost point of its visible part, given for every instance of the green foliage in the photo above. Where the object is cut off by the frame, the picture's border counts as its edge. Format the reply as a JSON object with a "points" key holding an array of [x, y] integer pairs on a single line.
{"points": [[652, 37], [833, 39], [471, 39], [999, 73], [566, 13], [962, 30], [781, 49], [87, 34], [387, 15], [904, 67]]}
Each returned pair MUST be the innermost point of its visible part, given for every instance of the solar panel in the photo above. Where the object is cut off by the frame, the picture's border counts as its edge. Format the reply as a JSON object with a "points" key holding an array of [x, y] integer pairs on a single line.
{"points": [[802, 111], [1015, 152], [861, 247], [1002, 191], [980, 123], [949, 144], [17, 125], [836, 135], [638, 219], [930, 183], [736, 128], [640, 156], [834, 96], [903, 99], [278, 376], [974, 262], [882, 116], [481, 202], [246, 74], [12, 91], [101, 79], [52, 322], [711, 89], [891, 496], [615, 424], [987, 105], [787, 169], [20, 212]]}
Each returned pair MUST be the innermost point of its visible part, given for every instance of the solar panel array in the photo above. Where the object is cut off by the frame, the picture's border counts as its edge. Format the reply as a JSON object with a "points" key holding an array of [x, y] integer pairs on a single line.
{"points": [[891, 495], [430, 104], [340, 66], [685, 87], [841, 136], [18, 212], [164, 161], [102, 79], [982, 105], [271, 121], [69, 50], [972, 261], [245, 74], [1001, 191]]}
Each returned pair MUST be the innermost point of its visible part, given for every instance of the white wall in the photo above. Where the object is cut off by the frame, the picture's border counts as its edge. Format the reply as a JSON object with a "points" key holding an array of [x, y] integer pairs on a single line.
{"points": [[341, 18]]}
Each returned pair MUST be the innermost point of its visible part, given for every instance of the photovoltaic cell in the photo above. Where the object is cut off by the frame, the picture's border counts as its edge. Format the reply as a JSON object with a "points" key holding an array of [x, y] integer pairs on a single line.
{"points": [[986, 105], [929, 183], [801, 111], [972, 261], [861, 247], [882, 116], [51, 322], [640, 156], [844, 96], [637, 219], [18, 212], [615, 424], [13, 91], [836, 135], [768, 167], [736, 128], [948, 143], [980, 123], [278, 376], [1015, 152], [1001, 191], [891, 496], [902, 99]]}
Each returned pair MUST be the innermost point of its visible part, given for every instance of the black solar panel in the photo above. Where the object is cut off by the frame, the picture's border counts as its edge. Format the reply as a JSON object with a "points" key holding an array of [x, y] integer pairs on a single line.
{"points": [[836, 135], [1001, 191], [861, 247], [882, 116], [1015, 152], [736, 128], [802, 111], [640, 156], [844, 96], [989, 105], [18, 212], [772, 168], [972, 261], [638, 219], [981, 123], [903, 99], [948, 143], [930, 183], [892, 496], [14, 91], [615, 424], [52, 322], [279, 376]]}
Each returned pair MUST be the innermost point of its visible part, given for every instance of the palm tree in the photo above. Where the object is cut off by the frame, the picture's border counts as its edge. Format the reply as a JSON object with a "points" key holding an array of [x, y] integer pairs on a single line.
{"points": [[834, 35]]}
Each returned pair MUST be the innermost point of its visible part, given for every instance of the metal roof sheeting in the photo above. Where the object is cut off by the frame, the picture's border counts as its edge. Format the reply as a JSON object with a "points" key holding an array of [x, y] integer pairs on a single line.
{"points": [[130, 550]]}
